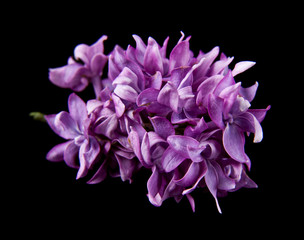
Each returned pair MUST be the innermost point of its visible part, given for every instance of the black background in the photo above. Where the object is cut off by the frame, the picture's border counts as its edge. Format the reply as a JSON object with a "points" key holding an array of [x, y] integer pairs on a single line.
{"points": [[46, 196]]}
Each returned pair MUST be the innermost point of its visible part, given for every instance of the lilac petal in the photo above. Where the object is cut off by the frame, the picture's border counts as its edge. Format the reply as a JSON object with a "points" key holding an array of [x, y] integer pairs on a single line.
{"points": [[119, 106], [191, 201], [249, 93], [259, 113], [100, 174], [216, 109], [78, 110], [91, 151], [145, 151], [162, 126], [194, 174], [126, 92], [195, 153], [152, 59], [56, 153], [234, 141], [248, 123], [140, 49], [171, 159], [98, 63], [242, 67], [108, 126], [219, 66], [70, 76], [227, 81], [224, 183], [229, 94], [127, 77], [180, 55], [83, 170], [201, 71], [240, 106], [92, 105], [195, 131], [126, 167], [245, 181], [71, 155], [211, 179], [156, 80], [163, 49], [86, 53], [168, 96], [180, 144], [133, 139], [207, 87], [154, 186], [147, 96], [63, 125]]}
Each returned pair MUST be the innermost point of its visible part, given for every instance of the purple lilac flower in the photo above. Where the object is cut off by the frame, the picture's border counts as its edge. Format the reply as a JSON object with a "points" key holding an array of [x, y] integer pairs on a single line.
{"points": [[182, 117], [86, 66]]}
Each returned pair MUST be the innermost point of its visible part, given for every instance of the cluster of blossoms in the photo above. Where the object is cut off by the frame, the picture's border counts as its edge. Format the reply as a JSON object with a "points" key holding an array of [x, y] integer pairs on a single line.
{"points": [[182, 117]]}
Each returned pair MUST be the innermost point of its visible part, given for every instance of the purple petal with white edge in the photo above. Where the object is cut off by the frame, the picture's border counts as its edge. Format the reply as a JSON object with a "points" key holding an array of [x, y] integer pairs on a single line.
{"points": [[180, 144], [171, 159], [152, 58], [78, 110], [126, 92], [71, 155], [249, 93], [248, 123], [57, 152], [234, 141], [211, 179], [216, 109], [242, 67], [162, 126]]}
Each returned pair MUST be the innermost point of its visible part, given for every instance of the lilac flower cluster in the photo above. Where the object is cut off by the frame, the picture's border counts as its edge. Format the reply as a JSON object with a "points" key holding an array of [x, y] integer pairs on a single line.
{"points": [[182, 117]]}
